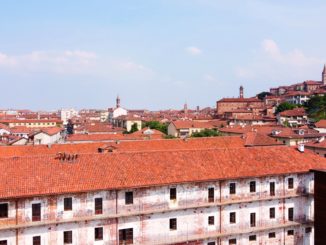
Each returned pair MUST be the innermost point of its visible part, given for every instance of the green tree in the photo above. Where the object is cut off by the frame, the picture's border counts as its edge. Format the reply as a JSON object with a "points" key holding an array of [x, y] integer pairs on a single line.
{"points": [[134, 128], [262, 95], [163, 127], [285, 106], [206, 133], [316, 107]]}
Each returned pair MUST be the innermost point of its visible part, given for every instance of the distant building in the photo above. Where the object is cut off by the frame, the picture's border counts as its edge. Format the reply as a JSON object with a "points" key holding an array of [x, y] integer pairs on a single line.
{"points": [[117, 111], [66, 114]]}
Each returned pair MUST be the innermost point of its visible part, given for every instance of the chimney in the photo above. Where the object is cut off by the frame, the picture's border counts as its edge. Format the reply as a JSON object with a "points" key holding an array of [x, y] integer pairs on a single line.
{"points": [[301, 147]]}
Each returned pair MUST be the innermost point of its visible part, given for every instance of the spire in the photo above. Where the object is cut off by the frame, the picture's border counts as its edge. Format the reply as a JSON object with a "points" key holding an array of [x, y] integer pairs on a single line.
{"points": [[241, 92], [185, 109], [118, 102], [323, 76]]}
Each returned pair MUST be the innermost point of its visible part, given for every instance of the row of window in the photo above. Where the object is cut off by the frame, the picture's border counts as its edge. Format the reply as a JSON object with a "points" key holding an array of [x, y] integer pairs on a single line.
{"points": [[253, 216]]}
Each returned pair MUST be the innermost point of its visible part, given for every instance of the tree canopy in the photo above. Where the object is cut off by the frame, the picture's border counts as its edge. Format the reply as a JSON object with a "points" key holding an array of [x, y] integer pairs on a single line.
{"points": [[262, 95], [163, 127], [206, 133], [316, 107], [285, 106]]}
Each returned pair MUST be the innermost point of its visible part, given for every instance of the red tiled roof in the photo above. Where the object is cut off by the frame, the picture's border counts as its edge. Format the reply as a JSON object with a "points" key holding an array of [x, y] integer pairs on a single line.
{"points": [[240, 100], [259, 139], [34, 176], [30, 121], [191, 124], [100, 137], [317, 144], [294, 112], [321, 124]]}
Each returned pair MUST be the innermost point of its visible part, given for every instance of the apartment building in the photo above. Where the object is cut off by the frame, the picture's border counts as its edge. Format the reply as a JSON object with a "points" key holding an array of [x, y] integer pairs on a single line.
{"points": [[256, 195]]}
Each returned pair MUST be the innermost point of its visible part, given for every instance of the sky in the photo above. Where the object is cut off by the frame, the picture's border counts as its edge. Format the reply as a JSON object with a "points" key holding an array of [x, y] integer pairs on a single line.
{"points": [[154, 54]]}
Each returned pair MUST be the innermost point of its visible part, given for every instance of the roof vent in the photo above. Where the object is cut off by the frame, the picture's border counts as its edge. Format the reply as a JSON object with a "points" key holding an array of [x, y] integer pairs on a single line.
{"points": [[276, 132], [301, 132]]}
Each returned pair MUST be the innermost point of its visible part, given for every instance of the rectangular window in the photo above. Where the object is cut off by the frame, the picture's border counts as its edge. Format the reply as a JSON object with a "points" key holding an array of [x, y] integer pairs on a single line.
{"points": [[173, 194], [308, 230], [272, 213], [290, 214], [98, 205], [290, 183], [252, 219], [232, 188], [211, 243], [232, 218], [290, 232], [173, 224], [36, 211], [36, 240], [129, 197], [252, 186], [233, 241], [4, 210], [126, 236], [67, 237], [272, 188], [271, 235], [3, 242], [211, 194], [252, 238], [67, 203], [211, 220], [98, 233]]}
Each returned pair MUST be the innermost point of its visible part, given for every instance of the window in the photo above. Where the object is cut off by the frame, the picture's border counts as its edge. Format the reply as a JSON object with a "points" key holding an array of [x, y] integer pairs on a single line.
{"points": [[308, 229], [36, 212], [271, 235], [3, 210], [290, 214], [290, 183], [252, 186], [98, 233], [211, 194], [67, 237], [173, 224], [232, 188], [232, 241], [272, 213], [272, 188], [36, 240], [129, 197], [211, 220], [67, 203], [3, 242], [290, 232], [232, 218], [173, 194], [98, 205], [252, 238], [211, 243], [252, 219], [126, 236]]}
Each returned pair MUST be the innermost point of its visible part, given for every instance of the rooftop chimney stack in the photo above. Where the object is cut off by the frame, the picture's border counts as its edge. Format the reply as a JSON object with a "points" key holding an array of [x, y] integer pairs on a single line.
{"points": [[301, 148]]}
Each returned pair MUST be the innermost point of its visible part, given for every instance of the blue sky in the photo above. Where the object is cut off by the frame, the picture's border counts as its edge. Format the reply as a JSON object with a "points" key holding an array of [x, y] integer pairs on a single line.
{"points": [[154, 54]]}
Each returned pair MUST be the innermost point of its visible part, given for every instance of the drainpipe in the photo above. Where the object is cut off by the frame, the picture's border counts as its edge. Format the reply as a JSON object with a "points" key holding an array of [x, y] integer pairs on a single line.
{"points": [[16, 210]]}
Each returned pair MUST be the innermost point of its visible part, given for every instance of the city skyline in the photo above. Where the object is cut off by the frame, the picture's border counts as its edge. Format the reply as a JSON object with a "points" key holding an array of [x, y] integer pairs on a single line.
{"points": [[155, 55]]}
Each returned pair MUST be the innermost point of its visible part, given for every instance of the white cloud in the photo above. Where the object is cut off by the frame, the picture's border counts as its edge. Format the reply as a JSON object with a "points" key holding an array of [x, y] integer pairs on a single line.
{"points": [[73, 62], [271, 63], [209, 78], [193, 50]]}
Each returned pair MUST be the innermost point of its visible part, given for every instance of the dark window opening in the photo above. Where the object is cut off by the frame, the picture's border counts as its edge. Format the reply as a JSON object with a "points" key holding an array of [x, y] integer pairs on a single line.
{"points": [[67, 237], [98, 205], [36, 240], [272, 213], [211, 220], [271, 235], [272, 188], [252, 220], [232, 218], [252, 238], [98, 233], [67, 203], [232, 241], [211, 243], [211, 194], [308, 229], [3, 242], [290, 183], [4, 211], [36, 212], [290, 214], [129, 197], [232, 188], [290, 232], [126, 236], [252, 186], [173, 193], [173, 224]]}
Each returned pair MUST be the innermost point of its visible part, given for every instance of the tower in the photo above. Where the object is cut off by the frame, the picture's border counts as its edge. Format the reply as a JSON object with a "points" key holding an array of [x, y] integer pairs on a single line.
{"points": [[241, 92], [185, 109], [323, 80], [118, 102]]}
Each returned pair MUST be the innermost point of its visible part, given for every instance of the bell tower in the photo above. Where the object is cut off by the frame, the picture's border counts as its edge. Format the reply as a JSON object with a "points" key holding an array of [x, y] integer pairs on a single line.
{"points": [[241, 92], [118, 102], [323, 79]]}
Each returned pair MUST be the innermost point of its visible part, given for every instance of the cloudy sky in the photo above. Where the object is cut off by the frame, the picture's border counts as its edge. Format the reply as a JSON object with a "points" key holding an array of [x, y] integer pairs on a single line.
{"points": [[154, 54]]}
